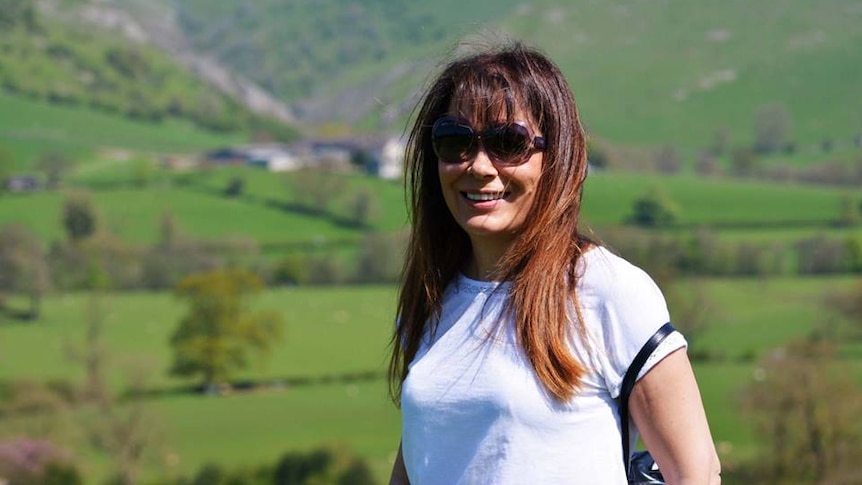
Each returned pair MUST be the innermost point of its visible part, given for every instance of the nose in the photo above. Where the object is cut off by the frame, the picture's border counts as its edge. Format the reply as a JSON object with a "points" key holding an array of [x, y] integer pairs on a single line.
{"points": [[481, 165]]}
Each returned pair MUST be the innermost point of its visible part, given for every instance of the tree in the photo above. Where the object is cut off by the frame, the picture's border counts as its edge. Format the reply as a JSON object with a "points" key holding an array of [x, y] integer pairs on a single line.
{"points": [[79, 217], [653, 209], [362, 209], [743, 161], [215, 337], [720, 141], [123, 429], [55, 165], [17, 12], [848, 304], [667, 159], [235, 187], [22, 266], [596, 156], [7, 165], [806, 408], [28, 461], [314, 189], [772, 126], [707, 164], [380, 258]]}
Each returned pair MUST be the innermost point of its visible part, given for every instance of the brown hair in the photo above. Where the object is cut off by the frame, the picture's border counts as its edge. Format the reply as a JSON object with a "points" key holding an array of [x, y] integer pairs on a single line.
{"points": [[540, 263]]}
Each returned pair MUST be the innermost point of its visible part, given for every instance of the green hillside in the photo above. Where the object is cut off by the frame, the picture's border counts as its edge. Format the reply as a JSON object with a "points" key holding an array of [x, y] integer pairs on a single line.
{"points": [[335, 333], [69, 87], [645, 73], [31, 127], [738, 209]]}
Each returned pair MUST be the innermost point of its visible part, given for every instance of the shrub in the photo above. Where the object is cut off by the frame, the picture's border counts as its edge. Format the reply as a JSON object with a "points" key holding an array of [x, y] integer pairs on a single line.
{"points": [[653, 209], [28, 461], [820, 255]]}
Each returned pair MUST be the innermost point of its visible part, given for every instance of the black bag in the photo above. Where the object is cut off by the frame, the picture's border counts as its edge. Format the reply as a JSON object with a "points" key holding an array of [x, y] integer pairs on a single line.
{"points": [[640, 467]]}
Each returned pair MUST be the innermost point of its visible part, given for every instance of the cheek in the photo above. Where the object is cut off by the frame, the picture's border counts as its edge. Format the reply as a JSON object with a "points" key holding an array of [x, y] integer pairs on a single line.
{"points": [[447, 177]]}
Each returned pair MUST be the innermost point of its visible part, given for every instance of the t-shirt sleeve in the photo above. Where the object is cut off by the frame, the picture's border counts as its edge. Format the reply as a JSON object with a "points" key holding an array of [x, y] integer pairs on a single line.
{"points": [[632, 308]]}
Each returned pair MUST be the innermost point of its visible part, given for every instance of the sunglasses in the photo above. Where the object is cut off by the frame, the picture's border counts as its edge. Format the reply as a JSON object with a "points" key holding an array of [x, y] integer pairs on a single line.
{"points": [[455, 141]]}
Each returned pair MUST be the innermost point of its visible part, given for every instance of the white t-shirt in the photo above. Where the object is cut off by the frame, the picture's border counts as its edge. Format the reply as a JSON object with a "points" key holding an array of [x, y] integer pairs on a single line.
{"points": [[474, 412]]}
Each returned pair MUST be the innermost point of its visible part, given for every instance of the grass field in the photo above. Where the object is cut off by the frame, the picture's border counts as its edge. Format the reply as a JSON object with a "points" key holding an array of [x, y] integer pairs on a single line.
{"points": [[335, 334], [31, 128], [736, 209]]}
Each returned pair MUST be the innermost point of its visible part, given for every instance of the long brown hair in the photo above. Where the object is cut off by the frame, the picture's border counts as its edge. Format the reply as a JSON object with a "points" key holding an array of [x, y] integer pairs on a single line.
{"points": [[540, 263]]}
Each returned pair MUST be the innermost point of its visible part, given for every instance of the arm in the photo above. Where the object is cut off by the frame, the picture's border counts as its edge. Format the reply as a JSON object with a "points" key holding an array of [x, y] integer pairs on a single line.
{"points": [[667, 409], [399, 472]]}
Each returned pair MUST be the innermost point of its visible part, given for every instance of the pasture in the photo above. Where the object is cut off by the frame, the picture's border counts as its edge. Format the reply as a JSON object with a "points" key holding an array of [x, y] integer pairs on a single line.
{"points": [[265, 212], [31, 128], [324, 381]]}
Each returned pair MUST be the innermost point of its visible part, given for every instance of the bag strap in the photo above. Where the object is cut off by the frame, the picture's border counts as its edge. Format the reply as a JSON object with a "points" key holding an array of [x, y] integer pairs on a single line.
{"points": [[629, 383]]}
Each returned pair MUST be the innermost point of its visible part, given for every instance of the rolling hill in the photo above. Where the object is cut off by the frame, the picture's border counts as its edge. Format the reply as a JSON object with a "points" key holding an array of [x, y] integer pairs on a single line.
{"points": [[67, 86], [645, 73]]}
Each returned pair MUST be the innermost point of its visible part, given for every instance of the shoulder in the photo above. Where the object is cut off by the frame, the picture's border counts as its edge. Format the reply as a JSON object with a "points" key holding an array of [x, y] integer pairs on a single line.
{"points": [[620, 299], [610, 278]]}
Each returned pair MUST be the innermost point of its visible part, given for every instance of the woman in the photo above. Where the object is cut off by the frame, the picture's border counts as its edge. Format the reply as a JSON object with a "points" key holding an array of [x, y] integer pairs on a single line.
{"points": [[515, 330]]}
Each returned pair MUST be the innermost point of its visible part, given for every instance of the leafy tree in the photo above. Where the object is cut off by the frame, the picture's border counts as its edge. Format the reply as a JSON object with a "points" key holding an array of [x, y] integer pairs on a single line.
{"points": [[7, 165], [653, 209], [79, 217], [22, 266], [326, 465], [314, 189], [235, 187], [848, 215], [772, 126], [707, 164], [144, 172], [743, 162], [15, 13], [806, 408], [363, 208], [596, 156], [720, 141], [28, 461], [667, 159], [380, 258], [215, 337], [848, 304], [55, 165]]}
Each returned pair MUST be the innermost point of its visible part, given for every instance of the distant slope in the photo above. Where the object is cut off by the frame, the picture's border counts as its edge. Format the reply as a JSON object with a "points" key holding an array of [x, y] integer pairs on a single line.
{"points": [[670, 71], [67, 86], [335, 60], [32, 127], [679, 70]]}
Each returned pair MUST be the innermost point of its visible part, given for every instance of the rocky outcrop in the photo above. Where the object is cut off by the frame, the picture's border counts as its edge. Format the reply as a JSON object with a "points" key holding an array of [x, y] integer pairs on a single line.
{"points": [[154, 22]]}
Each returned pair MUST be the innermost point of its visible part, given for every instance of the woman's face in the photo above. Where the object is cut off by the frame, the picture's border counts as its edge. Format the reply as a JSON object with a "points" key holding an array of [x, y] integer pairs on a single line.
{"points": [[488, 199]]}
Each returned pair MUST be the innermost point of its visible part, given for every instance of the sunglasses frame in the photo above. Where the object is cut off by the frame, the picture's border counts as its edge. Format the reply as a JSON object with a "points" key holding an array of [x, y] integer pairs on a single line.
{"points": [[533, 143]]}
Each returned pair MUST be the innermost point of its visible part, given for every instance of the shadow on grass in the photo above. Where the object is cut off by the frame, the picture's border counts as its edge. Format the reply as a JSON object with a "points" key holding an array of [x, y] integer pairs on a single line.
{"points": [[277, 204], [17, 316], [248, 386]]}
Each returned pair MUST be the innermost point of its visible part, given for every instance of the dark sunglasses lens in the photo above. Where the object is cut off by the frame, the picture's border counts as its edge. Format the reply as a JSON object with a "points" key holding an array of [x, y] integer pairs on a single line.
{"points": [[452, 142], [508, 144]]}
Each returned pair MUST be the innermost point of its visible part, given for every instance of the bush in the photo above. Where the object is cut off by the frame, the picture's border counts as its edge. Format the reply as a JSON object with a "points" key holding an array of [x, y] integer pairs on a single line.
{"points": [[653, 209], [380, 258], [820, 255], [323, 466], [28, 461]]}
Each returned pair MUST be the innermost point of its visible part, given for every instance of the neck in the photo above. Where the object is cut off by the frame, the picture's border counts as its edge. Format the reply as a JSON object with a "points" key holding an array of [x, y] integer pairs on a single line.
{"points": [[484, 263]]}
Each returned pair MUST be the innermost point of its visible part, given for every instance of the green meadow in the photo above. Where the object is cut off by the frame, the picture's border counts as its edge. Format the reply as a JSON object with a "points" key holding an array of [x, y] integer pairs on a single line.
{"points": [[325, 378], [645, 74], [735, 209], [30, 128]]}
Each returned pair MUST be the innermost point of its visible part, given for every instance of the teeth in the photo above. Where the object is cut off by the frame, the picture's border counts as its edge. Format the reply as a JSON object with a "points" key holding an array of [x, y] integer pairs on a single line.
{"points": [[485, 196]]}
